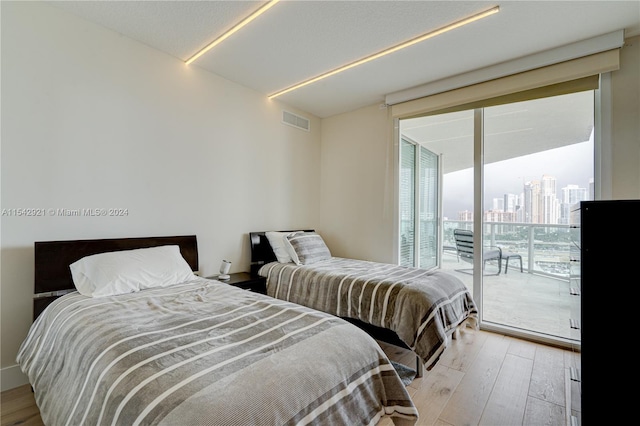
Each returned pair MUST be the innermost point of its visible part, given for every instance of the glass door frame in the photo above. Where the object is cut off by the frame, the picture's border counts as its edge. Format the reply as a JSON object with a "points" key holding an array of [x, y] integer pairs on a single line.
{"points": [[602, 172], [419, 202], [478, 203]]}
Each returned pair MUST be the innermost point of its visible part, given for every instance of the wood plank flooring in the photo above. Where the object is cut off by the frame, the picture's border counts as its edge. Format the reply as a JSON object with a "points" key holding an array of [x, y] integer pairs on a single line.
{"points": [[18, 407], [483, 378]]}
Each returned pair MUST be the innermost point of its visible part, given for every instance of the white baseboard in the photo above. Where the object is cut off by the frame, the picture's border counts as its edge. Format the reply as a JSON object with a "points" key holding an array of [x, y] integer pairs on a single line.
{"points": [[12, 377]]}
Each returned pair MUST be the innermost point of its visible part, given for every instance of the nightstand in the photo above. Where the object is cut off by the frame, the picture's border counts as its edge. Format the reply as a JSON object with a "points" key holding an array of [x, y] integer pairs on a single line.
{"points": [[246, 281]]}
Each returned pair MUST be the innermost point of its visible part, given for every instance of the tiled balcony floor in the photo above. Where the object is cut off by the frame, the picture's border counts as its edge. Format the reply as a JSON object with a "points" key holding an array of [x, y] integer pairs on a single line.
{"points": [[523, 300]]}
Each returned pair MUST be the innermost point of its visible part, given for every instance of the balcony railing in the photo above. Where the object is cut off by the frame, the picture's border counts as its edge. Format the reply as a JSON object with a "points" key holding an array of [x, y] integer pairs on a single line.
{"points": [[545, 248]]}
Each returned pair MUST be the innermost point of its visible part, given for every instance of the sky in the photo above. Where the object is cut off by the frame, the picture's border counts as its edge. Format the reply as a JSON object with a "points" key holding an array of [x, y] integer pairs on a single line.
{"points": [[572, 164]]}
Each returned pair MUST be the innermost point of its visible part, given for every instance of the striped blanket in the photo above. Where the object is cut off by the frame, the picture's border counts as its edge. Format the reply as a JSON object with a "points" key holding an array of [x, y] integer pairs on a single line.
{"points": [[204, 352], [422, 307]]}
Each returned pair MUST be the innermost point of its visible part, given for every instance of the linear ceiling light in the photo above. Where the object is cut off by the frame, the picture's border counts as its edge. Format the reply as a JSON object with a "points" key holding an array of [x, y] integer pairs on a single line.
{"points": [[226, 35], [391, 50]]}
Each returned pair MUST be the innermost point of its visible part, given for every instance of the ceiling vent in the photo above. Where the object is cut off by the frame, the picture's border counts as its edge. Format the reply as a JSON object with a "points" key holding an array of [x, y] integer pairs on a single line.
{"points": [[294, 120]]}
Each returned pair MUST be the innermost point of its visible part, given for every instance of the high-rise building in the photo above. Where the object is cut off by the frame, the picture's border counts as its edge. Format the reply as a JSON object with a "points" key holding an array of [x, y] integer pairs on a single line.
{"points": [[465, 215], [549, 206], [510, 202], [531, 202], [571, 195]]}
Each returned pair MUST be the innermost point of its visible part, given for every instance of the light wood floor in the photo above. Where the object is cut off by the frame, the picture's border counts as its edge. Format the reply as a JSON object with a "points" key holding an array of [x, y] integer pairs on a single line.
{"points": [[17, 407], [483, 378]]}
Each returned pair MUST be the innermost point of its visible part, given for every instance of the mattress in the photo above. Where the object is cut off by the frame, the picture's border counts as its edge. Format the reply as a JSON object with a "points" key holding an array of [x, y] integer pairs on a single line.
{"points": [[422, 307], [204, 352]]}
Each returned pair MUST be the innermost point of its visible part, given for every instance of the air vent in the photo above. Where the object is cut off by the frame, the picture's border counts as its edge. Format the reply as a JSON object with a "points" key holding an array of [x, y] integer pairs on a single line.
{"points": [[294, 120]]}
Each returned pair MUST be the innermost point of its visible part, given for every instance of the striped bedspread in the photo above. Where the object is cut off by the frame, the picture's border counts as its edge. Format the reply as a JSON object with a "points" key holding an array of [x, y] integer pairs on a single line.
{"points": [[206, 353], [422, 307]]}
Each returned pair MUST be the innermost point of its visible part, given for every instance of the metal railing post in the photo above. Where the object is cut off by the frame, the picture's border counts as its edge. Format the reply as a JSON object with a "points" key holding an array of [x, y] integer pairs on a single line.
{"points": [[530, 250]]}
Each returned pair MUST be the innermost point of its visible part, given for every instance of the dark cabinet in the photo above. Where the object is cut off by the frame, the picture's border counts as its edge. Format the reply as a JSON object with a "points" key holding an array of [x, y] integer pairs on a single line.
{"points": [[609, 242]]}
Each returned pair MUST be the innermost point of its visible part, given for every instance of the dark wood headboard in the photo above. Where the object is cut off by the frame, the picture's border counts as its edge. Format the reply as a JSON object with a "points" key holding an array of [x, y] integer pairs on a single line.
{"points": [[261, 251], [52, 260]]}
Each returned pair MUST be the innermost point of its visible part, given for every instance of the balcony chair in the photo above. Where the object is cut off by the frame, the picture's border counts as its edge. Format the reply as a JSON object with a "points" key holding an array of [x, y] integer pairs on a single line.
{"points": [[464, 246], [506, 255]]}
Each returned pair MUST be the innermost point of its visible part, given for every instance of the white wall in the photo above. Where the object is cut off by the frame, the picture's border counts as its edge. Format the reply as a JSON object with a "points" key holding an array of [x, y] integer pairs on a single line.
{"points": [[625, 135], [357, 184], [91, 119]]}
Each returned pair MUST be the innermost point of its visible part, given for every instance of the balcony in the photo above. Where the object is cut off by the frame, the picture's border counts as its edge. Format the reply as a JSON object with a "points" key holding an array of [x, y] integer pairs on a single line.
{"points": [[544, 298]]}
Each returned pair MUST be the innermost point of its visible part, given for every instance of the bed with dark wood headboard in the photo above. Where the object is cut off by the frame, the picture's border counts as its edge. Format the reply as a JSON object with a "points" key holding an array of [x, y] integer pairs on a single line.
{"points": [[262, 254], [52, 276], [409, 307], [183, 352]]}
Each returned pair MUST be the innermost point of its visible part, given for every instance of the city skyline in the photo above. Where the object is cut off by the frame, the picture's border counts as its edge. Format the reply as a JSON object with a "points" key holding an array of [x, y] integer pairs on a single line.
{"points": [[569, 165]]}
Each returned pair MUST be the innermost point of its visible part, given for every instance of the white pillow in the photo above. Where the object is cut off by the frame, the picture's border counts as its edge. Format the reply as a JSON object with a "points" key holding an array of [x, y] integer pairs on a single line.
{"points": [[127, 271], [277, 240]]}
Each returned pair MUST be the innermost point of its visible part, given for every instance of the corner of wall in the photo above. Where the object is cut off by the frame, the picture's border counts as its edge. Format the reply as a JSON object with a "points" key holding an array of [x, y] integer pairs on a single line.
{"points": [[12, 377], [625, 133]]}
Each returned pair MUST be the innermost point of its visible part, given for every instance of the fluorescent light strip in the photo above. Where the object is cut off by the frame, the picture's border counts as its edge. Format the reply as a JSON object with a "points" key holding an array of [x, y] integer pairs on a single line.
{"points": [[391, 50], [233, 30]]}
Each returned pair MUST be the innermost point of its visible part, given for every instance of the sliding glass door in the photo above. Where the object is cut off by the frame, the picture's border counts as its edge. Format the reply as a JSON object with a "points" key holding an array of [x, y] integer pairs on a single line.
{"points": [[419, 212], [538, 164], [526, 163], [446, 145]]}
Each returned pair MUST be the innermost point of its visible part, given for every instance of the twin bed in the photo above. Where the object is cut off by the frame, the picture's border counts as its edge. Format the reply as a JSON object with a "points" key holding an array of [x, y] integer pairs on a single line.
{"points": [[410, 307], [144, 341]]}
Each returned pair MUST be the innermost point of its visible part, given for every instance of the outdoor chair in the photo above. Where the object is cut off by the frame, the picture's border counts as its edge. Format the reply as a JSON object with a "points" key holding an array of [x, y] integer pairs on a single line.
{"points": [[508, 255], [464, 246]]}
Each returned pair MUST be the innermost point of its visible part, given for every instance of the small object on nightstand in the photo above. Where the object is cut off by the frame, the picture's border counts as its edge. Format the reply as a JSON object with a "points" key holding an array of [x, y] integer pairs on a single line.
{"points": [[225, 266]]}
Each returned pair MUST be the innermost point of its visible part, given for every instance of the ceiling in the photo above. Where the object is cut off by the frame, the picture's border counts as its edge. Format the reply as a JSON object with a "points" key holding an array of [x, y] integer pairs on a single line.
{"points": [[297, 40], [511, 130]]}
